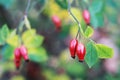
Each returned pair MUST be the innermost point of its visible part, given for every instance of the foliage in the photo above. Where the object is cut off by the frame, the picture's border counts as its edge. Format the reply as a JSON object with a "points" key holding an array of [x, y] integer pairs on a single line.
{"points": [[91, 56], [102, 12], [30, 39]]}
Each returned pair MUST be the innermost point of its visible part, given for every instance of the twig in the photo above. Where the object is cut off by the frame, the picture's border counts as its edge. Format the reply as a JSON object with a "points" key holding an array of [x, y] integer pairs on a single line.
{"points": [[46, 2], [27, 8], [79, 25], [21, 23]]}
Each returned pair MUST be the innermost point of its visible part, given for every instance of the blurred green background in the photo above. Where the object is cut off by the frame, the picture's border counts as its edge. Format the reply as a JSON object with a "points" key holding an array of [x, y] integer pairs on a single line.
{"points": [[48, 49]]}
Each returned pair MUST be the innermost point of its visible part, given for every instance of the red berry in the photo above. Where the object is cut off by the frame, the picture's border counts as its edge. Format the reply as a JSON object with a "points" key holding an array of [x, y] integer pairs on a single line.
{"points": [[17, 57], [86, 16], [81, 51], [24, 53], [57, 22], [17, 63], [17, 54], [72, 47]]}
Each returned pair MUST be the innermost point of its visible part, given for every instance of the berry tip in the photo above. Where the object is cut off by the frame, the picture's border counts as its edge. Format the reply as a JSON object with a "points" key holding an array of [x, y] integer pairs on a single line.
{"points": [[81, 61], [73, 57], [27, 60]]}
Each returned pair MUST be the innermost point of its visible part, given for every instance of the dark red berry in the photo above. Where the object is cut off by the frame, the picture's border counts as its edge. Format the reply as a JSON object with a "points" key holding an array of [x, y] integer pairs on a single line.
{"points": [[17, 54], [86, 16], [24, 53], [57, 22], [17, 57], [72, 47], [81, 51], [17, 63]]}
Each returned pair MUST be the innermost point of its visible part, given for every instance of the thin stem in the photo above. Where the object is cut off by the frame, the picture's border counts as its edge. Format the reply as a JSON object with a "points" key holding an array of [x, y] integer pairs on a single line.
{"points": [[79, 25], [46, 1], [27, 8], [21, 24], [77, 33], [69, 10]]}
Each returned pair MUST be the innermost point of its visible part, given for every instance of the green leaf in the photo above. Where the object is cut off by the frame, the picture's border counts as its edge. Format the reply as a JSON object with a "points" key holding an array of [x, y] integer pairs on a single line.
{"points": [[91, 56], [35, 41], [31, 39], [88, 32], [97, 20], [62, 3], [27, 23], [2, 41], [97, 6], [7, 52], [104, 51], [4, 32], [28, 33], [37, 54], [13, 41]]}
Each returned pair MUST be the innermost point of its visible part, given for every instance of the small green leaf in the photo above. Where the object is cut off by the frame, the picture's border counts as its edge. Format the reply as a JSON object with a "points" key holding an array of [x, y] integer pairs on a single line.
{"points": [[28, 33], [35, 41], [4, 32], [88, 32], [7, 52], [2, 41], [91, 56], [31, 39], [13, 41], [104, 51], [62, 3], [27, 23], [37, 54]]}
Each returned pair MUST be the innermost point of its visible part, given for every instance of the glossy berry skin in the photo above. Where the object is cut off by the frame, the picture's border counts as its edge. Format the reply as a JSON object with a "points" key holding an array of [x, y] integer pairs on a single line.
{"points": [[57, 22], [72, 47], [17, 54], [81, 51], [17, 58], [17, 63], [86, 16], [24, 53]]}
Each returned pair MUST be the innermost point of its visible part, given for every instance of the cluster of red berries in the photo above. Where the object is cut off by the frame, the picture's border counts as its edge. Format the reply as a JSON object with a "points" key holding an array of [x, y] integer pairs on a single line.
{"points": [[20, 52], [77, 48], [86, 16]]}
